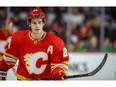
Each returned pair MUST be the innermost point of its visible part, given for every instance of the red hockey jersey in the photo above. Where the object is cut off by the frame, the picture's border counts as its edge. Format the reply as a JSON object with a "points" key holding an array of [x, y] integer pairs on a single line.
{"points": [[5, 37], [37, 58]]}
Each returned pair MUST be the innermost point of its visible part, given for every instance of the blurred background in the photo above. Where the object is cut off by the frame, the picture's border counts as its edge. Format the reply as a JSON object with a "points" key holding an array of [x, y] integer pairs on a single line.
{"points": [[83, 29], [86, 31]]}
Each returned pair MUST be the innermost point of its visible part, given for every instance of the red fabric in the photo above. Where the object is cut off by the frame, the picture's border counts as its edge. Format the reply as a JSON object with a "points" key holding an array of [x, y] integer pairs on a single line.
{"points": [[4, 35], [38, 55], [57, 74], [86, 31]]}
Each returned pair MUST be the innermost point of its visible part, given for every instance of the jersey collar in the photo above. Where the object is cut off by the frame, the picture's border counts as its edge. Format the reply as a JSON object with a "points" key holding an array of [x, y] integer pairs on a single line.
{"points": [[38, 40]]}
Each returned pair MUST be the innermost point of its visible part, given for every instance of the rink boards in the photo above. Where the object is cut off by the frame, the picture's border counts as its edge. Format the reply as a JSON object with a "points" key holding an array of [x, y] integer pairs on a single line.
{"points": [[80, 63]]}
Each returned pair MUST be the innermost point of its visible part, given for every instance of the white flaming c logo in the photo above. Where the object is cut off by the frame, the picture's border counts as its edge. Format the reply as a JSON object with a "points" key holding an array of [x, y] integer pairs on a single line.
{"points": [[31, 62]]}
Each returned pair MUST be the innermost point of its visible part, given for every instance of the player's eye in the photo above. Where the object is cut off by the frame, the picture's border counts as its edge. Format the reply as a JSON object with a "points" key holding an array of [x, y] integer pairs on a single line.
{"points": [[34, 23], [39, 22]]}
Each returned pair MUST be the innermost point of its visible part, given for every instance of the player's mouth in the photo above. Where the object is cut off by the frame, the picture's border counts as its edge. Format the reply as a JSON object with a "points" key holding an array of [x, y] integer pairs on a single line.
{"points": [[37, 29]]}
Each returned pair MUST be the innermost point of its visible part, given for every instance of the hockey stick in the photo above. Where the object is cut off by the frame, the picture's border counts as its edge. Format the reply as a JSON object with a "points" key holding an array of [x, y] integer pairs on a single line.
{"points": [[90, 73], [87, 74]]}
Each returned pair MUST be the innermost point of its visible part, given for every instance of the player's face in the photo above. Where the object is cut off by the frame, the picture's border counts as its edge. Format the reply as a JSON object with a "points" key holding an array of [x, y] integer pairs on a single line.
{"points": [[36, 25], [8, 26]]}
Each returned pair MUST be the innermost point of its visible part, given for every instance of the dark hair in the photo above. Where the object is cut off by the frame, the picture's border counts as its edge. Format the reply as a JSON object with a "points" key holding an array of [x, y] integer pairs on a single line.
{"points": [[43, 20], [54, 32]]}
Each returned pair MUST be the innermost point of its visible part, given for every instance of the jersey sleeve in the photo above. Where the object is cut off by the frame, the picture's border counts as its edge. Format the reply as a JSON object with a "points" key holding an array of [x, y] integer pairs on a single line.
{"points": [[60, 57], [1, 35], [10, 55]]}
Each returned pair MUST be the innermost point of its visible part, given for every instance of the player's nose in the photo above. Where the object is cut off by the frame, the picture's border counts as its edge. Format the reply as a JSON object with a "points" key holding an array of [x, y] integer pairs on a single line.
{"points": [[37, 25]]}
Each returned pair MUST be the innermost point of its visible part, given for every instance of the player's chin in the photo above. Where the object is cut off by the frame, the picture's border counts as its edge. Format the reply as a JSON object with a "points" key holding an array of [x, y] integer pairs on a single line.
{"points": [[36, 31]]}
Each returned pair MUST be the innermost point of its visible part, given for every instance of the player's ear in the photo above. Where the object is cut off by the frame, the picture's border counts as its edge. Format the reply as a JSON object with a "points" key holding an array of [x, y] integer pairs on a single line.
{"points": [[29, 23]]}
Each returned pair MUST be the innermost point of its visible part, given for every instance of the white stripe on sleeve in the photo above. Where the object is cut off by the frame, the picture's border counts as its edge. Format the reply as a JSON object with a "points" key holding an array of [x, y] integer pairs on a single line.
{"points": [[9, 59]]}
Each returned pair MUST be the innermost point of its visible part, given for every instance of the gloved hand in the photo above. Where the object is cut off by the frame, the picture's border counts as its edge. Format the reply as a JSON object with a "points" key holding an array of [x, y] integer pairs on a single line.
{"points": [[2, 78], [58, 73], [3, 75]]}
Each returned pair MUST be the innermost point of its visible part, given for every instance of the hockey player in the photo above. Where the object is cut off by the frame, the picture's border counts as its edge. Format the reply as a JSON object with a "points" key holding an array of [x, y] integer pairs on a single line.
{"points": [[41, 55], [5, 35]]}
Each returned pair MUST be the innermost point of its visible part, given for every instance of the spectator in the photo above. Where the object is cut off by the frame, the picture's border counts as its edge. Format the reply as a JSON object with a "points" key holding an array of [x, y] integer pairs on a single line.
{"points": [[96, 26], [5, 35], [110, 29], [81, 46], [86, 30], [92, 45], [107, 46], [114, 46], [74, 41]]}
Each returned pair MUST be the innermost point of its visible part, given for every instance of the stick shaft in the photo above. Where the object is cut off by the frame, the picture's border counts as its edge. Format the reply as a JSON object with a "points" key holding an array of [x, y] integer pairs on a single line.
{"points": [[90, 73]]}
